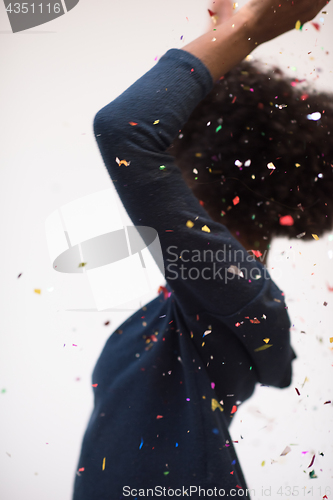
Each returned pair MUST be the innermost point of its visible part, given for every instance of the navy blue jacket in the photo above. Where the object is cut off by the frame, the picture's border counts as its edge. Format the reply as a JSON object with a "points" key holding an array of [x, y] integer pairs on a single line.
{"points": [[169, 380]]}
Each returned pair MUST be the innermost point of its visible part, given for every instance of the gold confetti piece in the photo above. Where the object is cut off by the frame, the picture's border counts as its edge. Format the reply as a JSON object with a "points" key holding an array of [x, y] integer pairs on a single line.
{"points": [[189, 223], [216, 404], [121, 162], [132, 123], [37, 290], [82, 264], [262, 463], [315, 237], [263, 347], [103, 466], [156, 121], [271, 165], [298, 25], [202, 344], [206, 229], [266, 340], [331, 340], [297, 165], [285, 451], [198, 155]]}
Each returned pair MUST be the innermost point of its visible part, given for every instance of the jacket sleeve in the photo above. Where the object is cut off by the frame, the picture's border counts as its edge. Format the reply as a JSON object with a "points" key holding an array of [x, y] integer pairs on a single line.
{"points": [[206, 267]]}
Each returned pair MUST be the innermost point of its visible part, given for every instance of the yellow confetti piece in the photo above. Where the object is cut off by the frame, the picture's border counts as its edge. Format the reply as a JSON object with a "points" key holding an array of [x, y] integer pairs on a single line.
{"points": [[298, 25], [263, 347], [37, 290], [82, 264], [271, 165], [262, 463], [198, 155], [103, 466], [315, 237], [266, 340], [206, 229], [122, 162], [331, 340], [156, 121], [202, 344], [216, 404], [189, 223], [297, 165]]}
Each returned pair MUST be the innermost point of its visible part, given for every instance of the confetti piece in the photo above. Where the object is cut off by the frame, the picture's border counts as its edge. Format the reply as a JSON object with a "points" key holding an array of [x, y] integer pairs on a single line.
{"points": [[166, 472], [82, 264], [271, 165], [207, 332], [312, 474], [37, 290], [314, 116], [94, 385], [285, 451], [206, 229], [235, 270], [256, 253], [255, 321], [159, 416], [132, 123], [141, 444], [189, 223], [156, 121], [331, 340], [312, 460], [263, 347], [164, 290], [315, 236], [266, 340], [218, 128], [103, 466], [235, 200], [122, 162], [234, 409], [286, 220], [262, 463], [300, 235], [316, 26], [81, 469], [19, 276], [162, 167], [298, 393], [298, 25], [216, 404]]}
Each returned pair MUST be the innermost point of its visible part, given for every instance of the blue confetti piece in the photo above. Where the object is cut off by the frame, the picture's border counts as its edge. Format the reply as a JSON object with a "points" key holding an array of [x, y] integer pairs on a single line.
{"points": [[141, 444], [215, 431], [176, 445], [233, 462]]}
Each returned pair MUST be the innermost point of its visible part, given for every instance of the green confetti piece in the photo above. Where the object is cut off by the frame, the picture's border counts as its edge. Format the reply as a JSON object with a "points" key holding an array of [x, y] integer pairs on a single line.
{"points": [[162, 167], [263, 347], [3, 391], [218, 128], [166, 472], [312, 474]]}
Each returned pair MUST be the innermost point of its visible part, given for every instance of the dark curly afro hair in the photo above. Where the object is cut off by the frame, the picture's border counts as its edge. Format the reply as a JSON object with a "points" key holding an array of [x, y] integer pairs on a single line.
{"points": [[258, 153]]}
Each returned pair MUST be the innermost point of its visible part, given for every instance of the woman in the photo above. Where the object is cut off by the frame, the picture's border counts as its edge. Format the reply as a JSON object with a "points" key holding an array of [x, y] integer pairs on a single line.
{"points": [[170, 378]]}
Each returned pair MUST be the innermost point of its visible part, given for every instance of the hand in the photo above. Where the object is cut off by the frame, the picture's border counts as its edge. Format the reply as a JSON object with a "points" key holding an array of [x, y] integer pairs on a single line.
{"points": [[271, 18]]}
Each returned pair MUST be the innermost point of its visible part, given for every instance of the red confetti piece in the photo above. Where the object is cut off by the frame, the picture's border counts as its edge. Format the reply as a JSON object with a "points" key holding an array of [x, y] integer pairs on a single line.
{"points": [[235, 200], [95, 385], [82, 469], [237, 324], [260, 105], [304, 97], [201, 203], [316, 26], [286, 220], [159, 416], [211, 13], [107, 323], [330, 288], [256, 253], [255, 320], [298, 393], [132, 123], [311, 463], [234, 409], [234, 100], [164, 290]]}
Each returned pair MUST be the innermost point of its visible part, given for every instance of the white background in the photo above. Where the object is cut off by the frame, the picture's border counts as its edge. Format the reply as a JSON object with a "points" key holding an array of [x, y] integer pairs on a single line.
{"points": [[54, 78]]}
